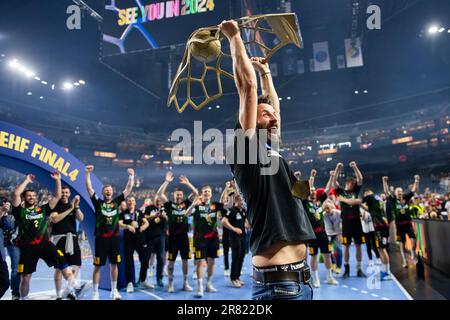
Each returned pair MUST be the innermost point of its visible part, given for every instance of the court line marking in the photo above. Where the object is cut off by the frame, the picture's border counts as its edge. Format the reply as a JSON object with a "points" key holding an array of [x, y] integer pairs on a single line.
{"points": [[401, 287], [150, 294]]}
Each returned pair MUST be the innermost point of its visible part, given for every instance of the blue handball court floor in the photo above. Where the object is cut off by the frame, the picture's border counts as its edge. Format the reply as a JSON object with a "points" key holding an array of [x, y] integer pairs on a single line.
{"points": [[353, 288]]}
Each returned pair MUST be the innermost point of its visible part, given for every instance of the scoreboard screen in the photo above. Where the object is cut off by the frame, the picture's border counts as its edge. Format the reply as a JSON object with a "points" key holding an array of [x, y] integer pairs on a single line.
{"points": [[133, 25]]}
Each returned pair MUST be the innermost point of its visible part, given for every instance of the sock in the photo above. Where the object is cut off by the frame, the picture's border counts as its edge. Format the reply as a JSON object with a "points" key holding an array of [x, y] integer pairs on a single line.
{"points": [[95, 287], [388, 268], [200, 284], [384, 267], [359, 265], [185, 277], [59, 293], [113, 285], [23, 298], [316, 275], [329, 274], [208, 280]]}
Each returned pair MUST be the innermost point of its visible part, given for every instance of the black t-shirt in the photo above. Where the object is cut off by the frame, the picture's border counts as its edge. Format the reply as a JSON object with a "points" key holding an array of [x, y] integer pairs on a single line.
{"points": [[375, 210], [107, 216], [236, 217], [274, 214], [349, 212], [206, 220], [400, 208], [315, 213], [177, 218], [66, 225], [127, 218], [158, 224], [33, 225]]}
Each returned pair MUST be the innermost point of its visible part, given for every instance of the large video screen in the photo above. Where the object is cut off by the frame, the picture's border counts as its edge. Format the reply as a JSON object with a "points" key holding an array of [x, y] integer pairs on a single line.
{"points": [[133, 25]]}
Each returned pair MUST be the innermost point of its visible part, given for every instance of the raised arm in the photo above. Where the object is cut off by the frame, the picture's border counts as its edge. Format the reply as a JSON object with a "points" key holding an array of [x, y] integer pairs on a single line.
{"points": [[386, 186], [244, 76], [197, 201], [16, 198], [328, 187], [56, 176], [358, 175], [336, 173], [89, 188], [312, 177], [56, 217], [415, 186], [130, 183], [162, 189], [4, 209], [266, 81], [184, 180]]}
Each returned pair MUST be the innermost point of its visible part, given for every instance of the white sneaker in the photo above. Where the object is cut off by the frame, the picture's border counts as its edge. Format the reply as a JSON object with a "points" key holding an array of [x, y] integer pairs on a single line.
{"points": [[187, 287], [130, 287], [115, 295], [226, 273], [378, 262], [210, 288], [145, 285], [199, 292], [316, 283], [95, 295], [170, 288], [236, 284], [332, 281]]}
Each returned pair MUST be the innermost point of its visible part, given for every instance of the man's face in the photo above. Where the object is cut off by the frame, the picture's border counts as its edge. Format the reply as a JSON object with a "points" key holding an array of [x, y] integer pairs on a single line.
{"points": [[398, 193], [178, 196], [349, 184], [157, 202], [383, 196], [107, 193], [312, 195], [206, 194], [239, 202], [30, 198], [269, 119], [131, 203], [65, 194], [123, 206]]}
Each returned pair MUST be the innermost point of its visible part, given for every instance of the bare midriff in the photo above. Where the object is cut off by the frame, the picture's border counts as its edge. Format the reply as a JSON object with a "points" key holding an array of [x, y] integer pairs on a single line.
{"points": [[280, 253]]}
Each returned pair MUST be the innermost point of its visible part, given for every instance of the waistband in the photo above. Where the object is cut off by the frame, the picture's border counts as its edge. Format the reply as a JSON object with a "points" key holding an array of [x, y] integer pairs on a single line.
{"points": [[295, 266], [297, 272]]}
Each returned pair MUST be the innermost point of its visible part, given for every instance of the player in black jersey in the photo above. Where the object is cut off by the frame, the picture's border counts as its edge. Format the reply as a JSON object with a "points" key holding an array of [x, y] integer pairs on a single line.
{"points": [[207, 215], [33, 239], [373, 204], [178, 227], [350, 215], [107, 234], [135, 224], [314, 209], [64, 235], [399, 205], [225, 199]]}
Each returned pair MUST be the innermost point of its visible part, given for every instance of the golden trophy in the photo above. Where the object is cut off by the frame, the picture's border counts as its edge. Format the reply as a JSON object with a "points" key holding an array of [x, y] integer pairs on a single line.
{"points": [[204, 45]]}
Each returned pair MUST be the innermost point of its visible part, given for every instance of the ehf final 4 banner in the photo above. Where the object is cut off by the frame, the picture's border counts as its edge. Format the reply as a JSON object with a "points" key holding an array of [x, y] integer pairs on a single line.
{"points": [[134, 25]]}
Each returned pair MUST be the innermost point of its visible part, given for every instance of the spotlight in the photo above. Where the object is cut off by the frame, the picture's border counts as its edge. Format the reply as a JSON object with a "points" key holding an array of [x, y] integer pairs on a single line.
{"points": [[288, 98], [356, 92], [29, 93], [209, 108], [433, 29], [365, 91], [82, 81], [37, 78], [41, 97], [21, 68], [67, 86], [13, 64], [448, 31], [76, 84], [441, 29], [44, 82], [217, 107], [29, 73], [280, 98], [53, 86]]}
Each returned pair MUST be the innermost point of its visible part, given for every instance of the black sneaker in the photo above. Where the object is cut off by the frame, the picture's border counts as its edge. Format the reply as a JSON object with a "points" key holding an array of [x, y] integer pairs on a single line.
{"points": [[346, 272], [360, 274], [79, 293], [59, 298], [160, 283], [72, 296], [15, 297]]}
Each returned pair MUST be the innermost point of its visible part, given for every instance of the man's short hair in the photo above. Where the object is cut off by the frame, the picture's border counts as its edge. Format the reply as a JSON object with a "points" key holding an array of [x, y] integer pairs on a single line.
{"points": [[65, 187], [177, 189], [27, 190], [264, 99], [206, 187], [106, 186]]}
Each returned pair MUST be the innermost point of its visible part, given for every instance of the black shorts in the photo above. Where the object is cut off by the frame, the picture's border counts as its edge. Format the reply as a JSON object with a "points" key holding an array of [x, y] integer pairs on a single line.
{"points": [[30, 255], [178, 242], [75, 258], [107, 248], [320, 242], [403, 230], [382, 236], [352, 229], [206, 248]]}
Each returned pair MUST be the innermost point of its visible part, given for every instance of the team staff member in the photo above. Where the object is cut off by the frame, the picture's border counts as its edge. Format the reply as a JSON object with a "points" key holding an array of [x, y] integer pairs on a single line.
{"points": [[235, 220], [225, 199], [156, 235], [107, 234], [278, 247], [4, 277], [207, 215], [178, 227], [399, 204], [381, 225], [314, 209], [135, 224], [33, 238], [64, 235], [350, 215]]}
